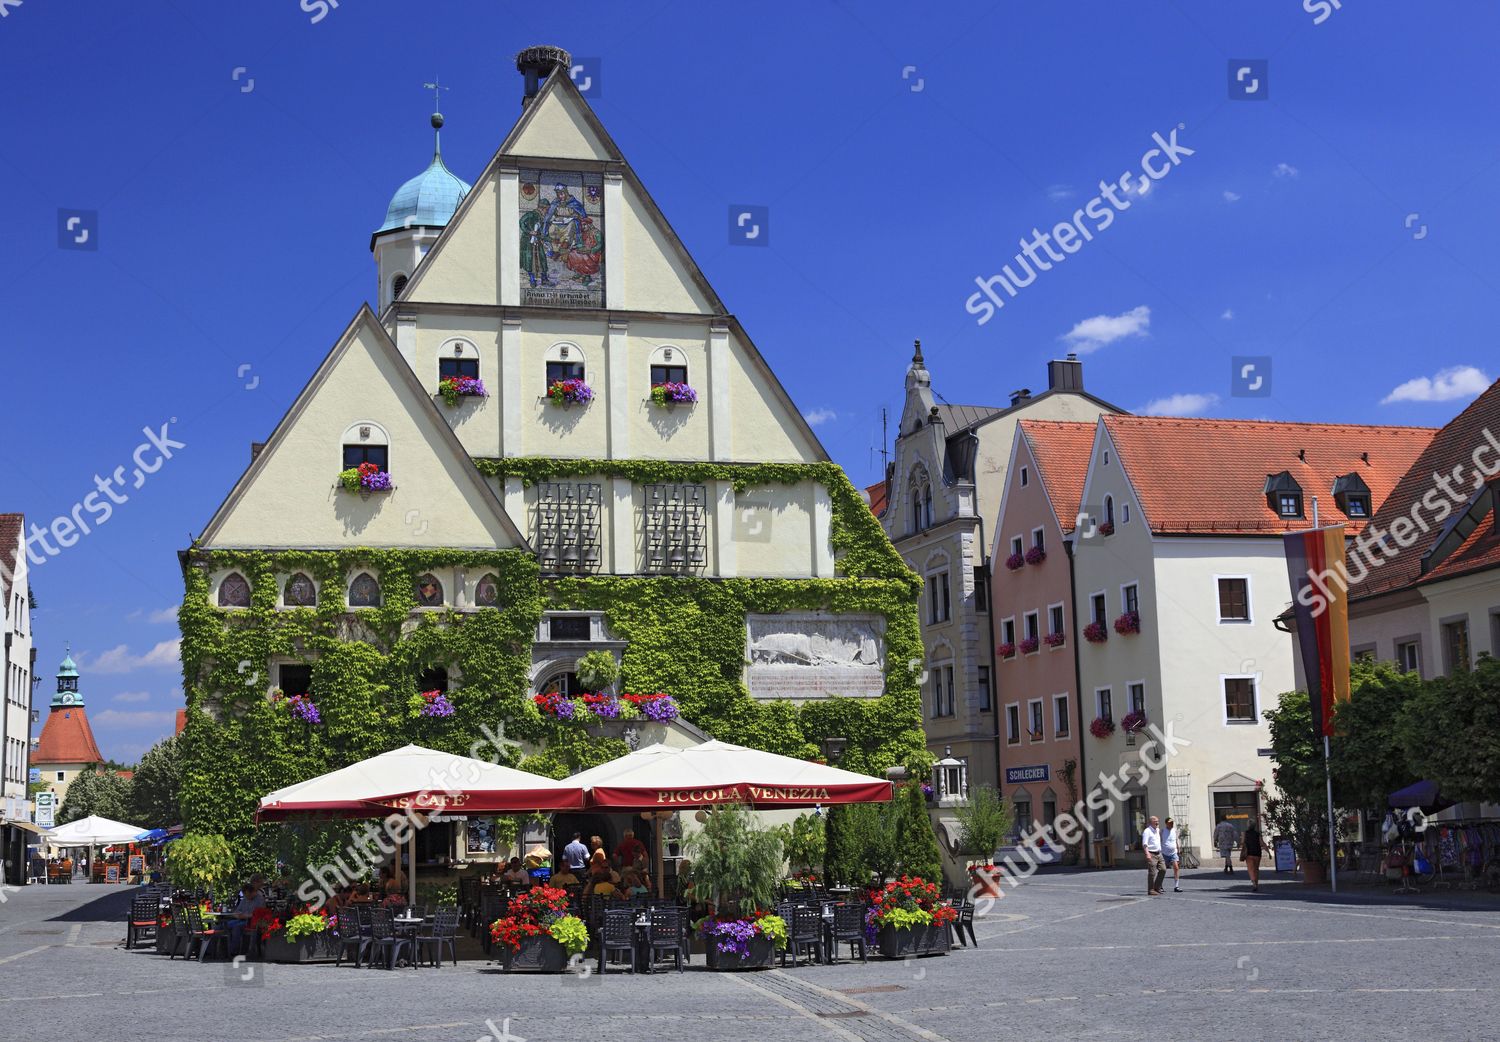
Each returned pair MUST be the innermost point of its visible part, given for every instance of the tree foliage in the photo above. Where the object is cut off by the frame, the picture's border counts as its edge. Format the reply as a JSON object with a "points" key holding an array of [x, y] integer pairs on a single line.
{"points": [[1450, 732], [804, 841], [156, 788], [1368, 759], [1298, 808], [984, 820], [97, 792], [199, 861], [917, 852]]}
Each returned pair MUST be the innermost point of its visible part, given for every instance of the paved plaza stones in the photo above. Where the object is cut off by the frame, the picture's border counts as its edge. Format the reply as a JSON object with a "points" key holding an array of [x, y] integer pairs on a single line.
{"points": [[1066, 955]]}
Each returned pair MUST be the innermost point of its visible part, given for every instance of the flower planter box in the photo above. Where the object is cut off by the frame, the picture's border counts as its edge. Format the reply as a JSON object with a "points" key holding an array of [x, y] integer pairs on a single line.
{"points": [[984, 884], [762, 956], [538, 954], [313, 947], [895, 943]]}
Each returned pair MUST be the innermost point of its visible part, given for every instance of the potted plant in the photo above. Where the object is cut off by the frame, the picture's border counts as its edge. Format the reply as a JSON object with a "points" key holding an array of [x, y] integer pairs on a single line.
{"points": [[304, 937], [1015, 561], [910, 917], [1095, 633], [365, 478], [1007, 649], [538, 934], [1134, 722], [302, 707], [737, 866], [430, 704], [1056, 640], [1102, 727], [1128, 622], [452, 388], [597, 670], [658, 708], [672, 393], [570, 392], [1028, 645], [984, 820], [1107, 528], [1036, 555]]}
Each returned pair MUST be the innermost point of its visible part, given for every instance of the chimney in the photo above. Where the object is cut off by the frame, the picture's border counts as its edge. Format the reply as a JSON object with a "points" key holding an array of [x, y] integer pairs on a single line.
{"points": [[1065, 375], [1023, 395], [536, 64]]}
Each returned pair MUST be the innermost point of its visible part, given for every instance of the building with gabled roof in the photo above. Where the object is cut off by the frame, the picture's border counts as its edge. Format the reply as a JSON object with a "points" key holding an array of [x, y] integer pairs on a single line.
{"points": [[1425, 575], [66, 746]]}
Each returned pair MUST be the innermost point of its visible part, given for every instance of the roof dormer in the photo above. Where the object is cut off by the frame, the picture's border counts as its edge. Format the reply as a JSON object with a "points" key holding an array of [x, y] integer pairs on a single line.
{"points": [[1284, 495], [1352, 496]]}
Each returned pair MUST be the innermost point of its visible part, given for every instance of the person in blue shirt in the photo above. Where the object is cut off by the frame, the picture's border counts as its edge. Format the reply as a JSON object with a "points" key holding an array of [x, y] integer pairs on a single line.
{"points": [[576, 854]]}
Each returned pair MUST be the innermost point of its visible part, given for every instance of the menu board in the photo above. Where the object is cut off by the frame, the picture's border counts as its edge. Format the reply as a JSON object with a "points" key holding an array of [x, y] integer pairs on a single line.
{"points": [[112, 873], [137, 864]]}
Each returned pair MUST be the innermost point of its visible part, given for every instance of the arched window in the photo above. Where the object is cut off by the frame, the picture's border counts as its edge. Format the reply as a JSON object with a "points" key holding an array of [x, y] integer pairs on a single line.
{"points": [[429, 591], [234, 591], [668, 365], [1109, 510], [300, 592], [397, 285], [458, 358], [921, 499], [564, 682], [487, 592], [433, 678], [366, 442], [564, 362], [364, 591]]}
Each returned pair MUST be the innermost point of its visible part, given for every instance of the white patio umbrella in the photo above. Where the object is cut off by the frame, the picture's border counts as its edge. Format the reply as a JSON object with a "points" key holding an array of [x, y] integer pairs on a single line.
{"points": [[414, 778], [661, 778], [93, 831]]}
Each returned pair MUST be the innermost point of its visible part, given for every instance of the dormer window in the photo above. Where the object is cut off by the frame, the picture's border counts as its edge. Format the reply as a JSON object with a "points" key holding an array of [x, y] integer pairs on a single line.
{"points": [[1284, 495], [1352, 496]]}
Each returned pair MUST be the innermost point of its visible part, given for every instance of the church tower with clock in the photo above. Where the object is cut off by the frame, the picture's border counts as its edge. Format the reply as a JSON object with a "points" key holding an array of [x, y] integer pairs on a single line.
{"points": [[66, 747]]}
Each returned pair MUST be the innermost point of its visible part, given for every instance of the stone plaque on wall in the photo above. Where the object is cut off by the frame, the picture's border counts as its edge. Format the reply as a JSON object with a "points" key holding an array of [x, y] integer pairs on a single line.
{"points": [[815, 655]]}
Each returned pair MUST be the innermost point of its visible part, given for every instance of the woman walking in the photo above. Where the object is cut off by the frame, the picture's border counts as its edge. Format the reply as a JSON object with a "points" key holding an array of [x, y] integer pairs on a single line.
{"points": [[1224, 837], [1169, 854], [1250, 851]]}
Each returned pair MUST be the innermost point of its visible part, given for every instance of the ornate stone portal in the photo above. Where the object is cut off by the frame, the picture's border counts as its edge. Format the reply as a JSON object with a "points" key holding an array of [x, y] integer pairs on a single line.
{"points": [[815, 655]]}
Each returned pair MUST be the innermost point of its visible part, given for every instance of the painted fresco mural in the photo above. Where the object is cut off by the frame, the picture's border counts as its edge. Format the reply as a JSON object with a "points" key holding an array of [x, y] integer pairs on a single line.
{"points": [[562, 238]]}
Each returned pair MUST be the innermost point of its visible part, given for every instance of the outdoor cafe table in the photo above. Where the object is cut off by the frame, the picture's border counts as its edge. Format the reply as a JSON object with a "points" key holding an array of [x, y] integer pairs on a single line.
{"points": [[406, 924]]}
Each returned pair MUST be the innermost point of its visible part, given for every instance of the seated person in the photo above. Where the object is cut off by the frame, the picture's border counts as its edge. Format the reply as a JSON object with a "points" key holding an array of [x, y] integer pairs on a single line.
{"points": [[565, 878], [632, 884], [515, 873], [237, 918], [361, 895], [643, 869], [602, 886]]}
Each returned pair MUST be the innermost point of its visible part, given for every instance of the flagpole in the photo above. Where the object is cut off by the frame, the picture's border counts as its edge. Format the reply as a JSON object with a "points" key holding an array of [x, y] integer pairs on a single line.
{"points": [[1333, 858]]}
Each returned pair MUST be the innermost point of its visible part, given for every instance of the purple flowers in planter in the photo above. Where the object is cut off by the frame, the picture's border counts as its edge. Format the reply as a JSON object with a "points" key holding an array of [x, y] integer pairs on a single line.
{"points": [[380, 481], [1129, 622], [452, 388], [1006, 650], [661, 709], [1134, 721], [731, 936], [1055, 640], [304, 709], [1029, 644], [435, 703], [1015, 561], [1036, 555], [673, 393], [1102, 727], [1095, 633], [570, 392]]}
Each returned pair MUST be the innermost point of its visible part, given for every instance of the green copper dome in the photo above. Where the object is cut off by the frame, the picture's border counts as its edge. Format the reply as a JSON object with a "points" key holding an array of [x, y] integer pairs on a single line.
{"points": [[429, 199], [68, 668]]}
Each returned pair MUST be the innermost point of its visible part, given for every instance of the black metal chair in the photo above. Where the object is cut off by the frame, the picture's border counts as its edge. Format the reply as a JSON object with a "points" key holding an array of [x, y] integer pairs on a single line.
{"points": [[439, 931], [492, 906], [663, 934], [848, 928], [346, 922], [385, 942], [965, 921], [804, 932], [616, 933], [203, 937], [144, 909]]}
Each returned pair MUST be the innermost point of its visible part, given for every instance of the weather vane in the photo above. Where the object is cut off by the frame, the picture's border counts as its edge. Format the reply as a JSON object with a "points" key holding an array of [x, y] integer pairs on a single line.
{"points": [[437, 96]]}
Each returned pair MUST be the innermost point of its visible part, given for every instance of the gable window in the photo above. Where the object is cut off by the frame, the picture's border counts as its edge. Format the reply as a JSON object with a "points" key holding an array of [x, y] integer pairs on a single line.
{"points": [[487, 592], [364, 591], [1017, 547], [397, 285], [1035, 709], [1124, 513], [920, 489], [1239, 700], [234, 591], [668, 374], [1104, 703], [448, 368], [1409, 656], [1098, 609], [294, 678], [1352, 495], [1109, 510], [1130, 599], [300, 592], [1024, 477], [1038, 539], [1013, 723], [379, 455], [1234, 599], [1060, 715], [1456, 645], [429, 591]]}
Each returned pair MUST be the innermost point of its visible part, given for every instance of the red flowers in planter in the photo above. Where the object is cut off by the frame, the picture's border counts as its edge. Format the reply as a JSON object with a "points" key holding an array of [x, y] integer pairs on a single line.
{"points": [[1102, 727], [1134, 721], [1036, 555], [1055, 640], [1129, 622], [1015, 561], [1095, 633], [1029, 644], [1006, 650], [1107, 528]]}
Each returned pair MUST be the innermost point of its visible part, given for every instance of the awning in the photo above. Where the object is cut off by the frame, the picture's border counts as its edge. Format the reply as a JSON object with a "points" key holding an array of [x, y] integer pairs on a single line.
{"points": [[93, 831], [27, 826], [660, 777]]}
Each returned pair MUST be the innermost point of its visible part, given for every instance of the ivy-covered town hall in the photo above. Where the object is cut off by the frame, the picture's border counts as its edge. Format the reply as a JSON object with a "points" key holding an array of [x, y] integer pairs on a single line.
{"points": [[551, 441]]}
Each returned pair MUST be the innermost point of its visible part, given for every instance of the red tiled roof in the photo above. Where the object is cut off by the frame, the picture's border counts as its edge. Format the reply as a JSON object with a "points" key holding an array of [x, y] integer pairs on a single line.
{"points": [[181, 721], [10, 544], [1200, 477], [878, 494], [1061, 450], [1453, 446], [67, 738]]}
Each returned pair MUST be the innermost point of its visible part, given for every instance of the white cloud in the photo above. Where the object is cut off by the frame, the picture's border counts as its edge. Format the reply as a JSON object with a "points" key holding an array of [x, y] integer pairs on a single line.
{"points": [[165, 615], [1057, 193], [1231, 197], [1459, 381], [1285, 170], [1179, 405], [135, 718], [1093, 333], [118, 659], [1228, 314], [818, 417], [133, 696]]}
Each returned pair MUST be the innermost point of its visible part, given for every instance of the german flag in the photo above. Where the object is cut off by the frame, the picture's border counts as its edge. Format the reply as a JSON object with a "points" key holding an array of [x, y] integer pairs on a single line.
{"points": [[1320, 599]]}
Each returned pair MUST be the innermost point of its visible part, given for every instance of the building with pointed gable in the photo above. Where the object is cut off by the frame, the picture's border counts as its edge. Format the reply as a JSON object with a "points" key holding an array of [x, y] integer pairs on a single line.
{"points": [[66, 747], [553, 439]]}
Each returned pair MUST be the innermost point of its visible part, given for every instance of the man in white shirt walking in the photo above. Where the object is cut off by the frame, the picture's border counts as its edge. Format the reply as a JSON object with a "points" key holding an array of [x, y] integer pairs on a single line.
{"points": [[1156, 870], [1170, 856]]}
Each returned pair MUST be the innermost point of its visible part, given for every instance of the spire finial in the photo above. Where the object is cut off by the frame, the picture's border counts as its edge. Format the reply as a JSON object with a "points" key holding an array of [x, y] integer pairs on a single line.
{"points": [[916, 358], [437, 116]]}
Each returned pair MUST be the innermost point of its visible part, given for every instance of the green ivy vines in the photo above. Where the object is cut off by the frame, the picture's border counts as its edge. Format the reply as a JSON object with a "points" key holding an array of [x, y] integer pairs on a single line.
{"points": [[686, 637]]}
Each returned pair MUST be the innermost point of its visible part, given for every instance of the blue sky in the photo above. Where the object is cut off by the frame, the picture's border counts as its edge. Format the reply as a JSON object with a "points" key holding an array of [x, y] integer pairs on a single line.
{"points": [[903, 151]]}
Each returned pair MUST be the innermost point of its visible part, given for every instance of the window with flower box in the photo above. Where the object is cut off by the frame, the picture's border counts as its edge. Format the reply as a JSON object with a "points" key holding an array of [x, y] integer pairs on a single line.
{"points": [[379, 455], [450, 368], [557, 371]]}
